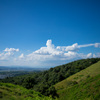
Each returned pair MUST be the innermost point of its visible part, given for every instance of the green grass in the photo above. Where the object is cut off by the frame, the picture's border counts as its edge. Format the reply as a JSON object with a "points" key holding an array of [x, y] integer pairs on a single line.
{"points": [[14, 92], [84, 85]]}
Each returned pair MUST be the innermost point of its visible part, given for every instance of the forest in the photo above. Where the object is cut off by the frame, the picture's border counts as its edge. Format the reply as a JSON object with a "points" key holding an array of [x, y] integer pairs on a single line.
{"points": [[44, 82]]}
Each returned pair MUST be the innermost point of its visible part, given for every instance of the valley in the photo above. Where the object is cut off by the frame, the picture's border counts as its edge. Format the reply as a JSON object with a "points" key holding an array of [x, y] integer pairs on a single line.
{"points": [[72, 81]]}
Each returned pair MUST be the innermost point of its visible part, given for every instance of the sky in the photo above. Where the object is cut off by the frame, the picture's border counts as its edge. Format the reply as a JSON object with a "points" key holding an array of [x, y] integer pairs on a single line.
{"points": [[48, 33]]}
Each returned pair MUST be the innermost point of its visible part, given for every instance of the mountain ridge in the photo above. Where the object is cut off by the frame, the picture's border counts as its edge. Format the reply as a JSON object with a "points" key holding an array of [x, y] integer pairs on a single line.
{"points": [[44, 82], [79, 85]]}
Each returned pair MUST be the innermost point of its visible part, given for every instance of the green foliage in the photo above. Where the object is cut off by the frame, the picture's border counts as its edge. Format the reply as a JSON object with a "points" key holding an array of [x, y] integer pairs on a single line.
{"points": [[84, 85], [43, 81], [80, 76], [52, 91], [88, 89], [14, 92], [28, 82]]}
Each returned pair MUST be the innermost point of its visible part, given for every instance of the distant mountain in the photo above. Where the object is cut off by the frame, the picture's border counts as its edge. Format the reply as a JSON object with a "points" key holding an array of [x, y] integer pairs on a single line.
{"points": [[43, 81], [20, 68], [16, 71], [84, 85]]}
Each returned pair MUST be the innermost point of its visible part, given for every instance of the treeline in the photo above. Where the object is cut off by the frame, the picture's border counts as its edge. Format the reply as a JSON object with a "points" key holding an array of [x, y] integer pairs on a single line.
{"points": [[43, 82]]}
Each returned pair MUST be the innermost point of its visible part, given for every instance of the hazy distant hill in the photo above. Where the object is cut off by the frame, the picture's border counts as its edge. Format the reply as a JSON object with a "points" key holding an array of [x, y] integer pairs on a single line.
{"points": [[16, 71], [84, 85], [20, 68], [43, 81]]}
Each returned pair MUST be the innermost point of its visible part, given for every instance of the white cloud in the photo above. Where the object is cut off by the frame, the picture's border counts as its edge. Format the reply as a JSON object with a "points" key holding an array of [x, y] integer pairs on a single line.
{"points": [[48, 55], [85, 45], [49, 44], [90, 55], [21, 56], [96, 55], [11, 50], [8, 53], [74, 47], [97, 45], [5, 56], [48, 50]]}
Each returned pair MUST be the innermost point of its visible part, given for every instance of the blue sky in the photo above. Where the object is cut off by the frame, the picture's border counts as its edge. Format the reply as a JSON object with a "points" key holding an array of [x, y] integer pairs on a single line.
{"points": [[26, 26]]}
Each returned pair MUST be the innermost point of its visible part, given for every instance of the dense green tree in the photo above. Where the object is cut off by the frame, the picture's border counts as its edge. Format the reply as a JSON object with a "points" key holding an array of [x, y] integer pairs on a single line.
{"points": [[44, 81]]}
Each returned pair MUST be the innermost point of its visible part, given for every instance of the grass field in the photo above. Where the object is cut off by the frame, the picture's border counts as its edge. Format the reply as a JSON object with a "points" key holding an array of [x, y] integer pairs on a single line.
{"points": [[84, 85], [14, 92]]}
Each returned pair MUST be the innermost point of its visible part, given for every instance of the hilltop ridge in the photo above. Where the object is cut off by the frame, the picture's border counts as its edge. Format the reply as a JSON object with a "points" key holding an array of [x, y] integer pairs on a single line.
{"points": [[84, 85], [43, 81]]}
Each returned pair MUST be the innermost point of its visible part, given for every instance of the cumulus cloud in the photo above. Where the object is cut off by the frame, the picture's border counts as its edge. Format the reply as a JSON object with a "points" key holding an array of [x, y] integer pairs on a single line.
{"points": [[4, 56], [21, 56], [8, 53], [50, 52], [49, 44], [11, 50], [48, 55], [74, 47]]}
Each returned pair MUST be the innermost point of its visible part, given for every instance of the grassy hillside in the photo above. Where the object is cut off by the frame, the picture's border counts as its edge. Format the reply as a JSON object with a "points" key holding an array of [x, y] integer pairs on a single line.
{"points": [[14, 92], [43, 82], [84, 85]]}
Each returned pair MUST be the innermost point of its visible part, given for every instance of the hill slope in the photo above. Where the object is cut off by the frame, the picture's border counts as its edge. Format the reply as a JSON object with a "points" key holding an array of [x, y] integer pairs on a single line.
{"points": [[14, 92], [43, 82], [84, 85]]}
